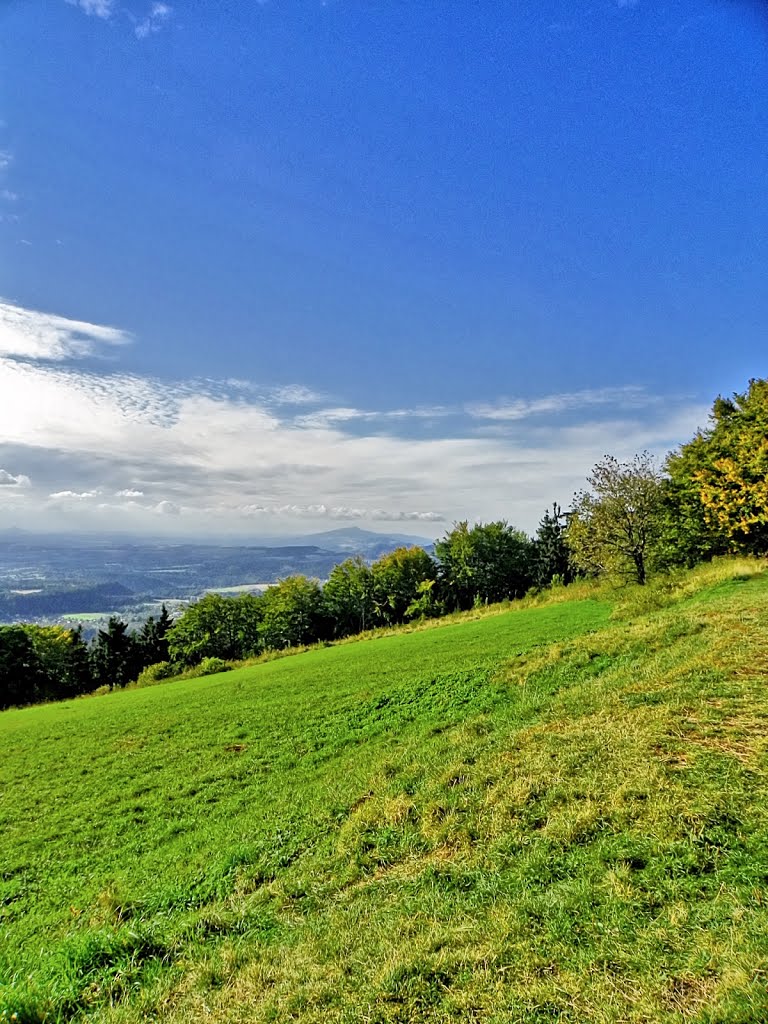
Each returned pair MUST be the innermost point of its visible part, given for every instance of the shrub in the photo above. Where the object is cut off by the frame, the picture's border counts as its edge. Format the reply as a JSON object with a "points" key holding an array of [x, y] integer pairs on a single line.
{"points": [[209, 667], [156, 673]]}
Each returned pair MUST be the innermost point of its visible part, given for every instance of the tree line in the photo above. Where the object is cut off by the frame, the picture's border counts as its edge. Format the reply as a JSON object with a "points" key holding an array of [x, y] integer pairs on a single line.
{"points": [[634, 518], [39, 663]]}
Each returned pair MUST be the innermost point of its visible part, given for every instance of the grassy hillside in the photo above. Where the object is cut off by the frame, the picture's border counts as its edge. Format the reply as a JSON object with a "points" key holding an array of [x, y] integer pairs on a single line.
{"points": [[550, 814]]}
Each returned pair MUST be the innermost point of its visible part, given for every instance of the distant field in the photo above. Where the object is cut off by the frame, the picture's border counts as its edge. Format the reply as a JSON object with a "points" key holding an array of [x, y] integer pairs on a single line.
{"points": [[84, 616], [538, 816]]}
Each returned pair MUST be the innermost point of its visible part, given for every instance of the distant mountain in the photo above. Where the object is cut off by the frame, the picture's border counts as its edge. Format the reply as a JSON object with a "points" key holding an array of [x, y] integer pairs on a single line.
{"points": [[351, 540]]}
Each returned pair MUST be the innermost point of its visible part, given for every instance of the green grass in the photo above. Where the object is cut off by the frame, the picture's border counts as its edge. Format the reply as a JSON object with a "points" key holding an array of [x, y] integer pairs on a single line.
{"points": [[556, 813]]}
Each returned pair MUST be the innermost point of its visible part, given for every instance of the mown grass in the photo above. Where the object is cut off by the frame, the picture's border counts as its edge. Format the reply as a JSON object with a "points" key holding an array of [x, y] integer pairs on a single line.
{"points": [[544, 815]]}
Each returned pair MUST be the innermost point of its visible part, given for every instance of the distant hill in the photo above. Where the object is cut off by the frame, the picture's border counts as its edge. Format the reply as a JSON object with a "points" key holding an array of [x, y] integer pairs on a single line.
{"points": [[352, 540]]}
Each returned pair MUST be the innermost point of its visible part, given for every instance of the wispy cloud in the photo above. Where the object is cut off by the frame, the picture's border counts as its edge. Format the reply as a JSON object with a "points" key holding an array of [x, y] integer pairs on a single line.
{"points": [[521, 408], [104, 449], [156, 18], [296, 394], [95, 8], [30, 334], [320, 418]]}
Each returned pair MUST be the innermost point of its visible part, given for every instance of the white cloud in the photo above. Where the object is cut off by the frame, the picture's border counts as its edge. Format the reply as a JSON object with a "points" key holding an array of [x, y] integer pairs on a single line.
{"points": [[340, 512], [158, 15], [30, 334], [167, 508], [520, 409], [295, 394], [5, 159], [192, 457], [342, 414], [96, 8], [406, 517], [10, 480], [73, 495], [8, 195]]}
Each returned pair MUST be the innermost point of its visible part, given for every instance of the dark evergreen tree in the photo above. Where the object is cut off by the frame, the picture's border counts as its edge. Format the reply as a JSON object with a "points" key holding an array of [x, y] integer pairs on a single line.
{"points": [[115, 655], [551, 555], [153, 638], [77, 676], [22, 680]]}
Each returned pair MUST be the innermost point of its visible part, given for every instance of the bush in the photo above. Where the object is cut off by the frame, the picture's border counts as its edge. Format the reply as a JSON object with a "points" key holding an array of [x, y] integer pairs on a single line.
{"points": [[209, 667], [156, 673]]}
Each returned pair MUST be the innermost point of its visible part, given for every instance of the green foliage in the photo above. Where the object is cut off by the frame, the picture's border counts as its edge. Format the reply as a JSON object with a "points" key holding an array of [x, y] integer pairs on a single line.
{"points": [[153, 638], [209, 667], [719, 480], [63, 657], [551, 555], [616, 528], [22, 680], [348, 595], [156, 673], [115, 655], [217, 627], [293, 613], [396, 579], [42, 663], [486, 563], [426, 604]]}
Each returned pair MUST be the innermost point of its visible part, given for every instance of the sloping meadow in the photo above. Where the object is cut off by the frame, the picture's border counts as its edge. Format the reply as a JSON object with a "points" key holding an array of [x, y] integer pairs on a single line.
{"points": [[546, 814]]}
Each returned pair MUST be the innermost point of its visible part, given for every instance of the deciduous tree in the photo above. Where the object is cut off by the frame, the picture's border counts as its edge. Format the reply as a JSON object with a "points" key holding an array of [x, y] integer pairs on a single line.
{"points": [[719, 479], [293, 613], [217, 627], [484, 563], [348, 597], [397, 577], [616, 527]]}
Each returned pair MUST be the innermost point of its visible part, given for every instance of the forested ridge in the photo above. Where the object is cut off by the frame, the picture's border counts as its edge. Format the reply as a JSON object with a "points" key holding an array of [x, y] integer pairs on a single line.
{"points": [[633, 519]]}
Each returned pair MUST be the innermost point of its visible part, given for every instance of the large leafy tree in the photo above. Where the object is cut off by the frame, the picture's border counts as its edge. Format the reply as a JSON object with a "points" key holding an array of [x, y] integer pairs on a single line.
{"points": [[348, 596], [216, 627], [63, 659], [616, 527], [293, 613], [455, 555], [397, 580], [22, 679], [718, 481], [484, 563]]}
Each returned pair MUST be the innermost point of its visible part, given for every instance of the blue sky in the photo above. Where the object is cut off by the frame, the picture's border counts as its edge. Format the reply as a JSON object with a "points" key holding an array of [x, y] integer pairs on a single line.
{"points": [[270, 266]]}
